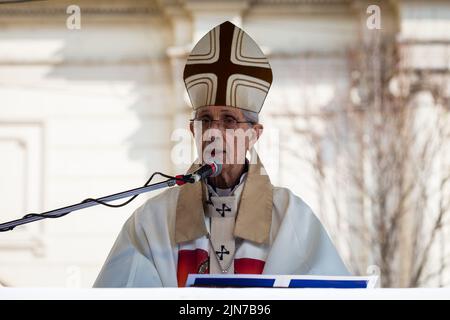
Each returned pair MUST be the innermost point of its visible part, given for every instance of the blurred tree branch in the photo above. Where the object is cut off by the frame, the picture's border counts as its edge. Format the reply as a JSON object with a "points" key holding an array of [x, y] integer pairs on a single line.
{"points": [[389, 192]]}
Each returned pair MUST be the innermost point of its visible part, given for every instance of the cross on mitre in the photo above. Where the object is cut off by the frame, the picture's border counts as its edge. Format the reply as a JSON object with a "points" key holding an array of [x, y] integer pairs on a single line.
{"points": [[227, 68]]}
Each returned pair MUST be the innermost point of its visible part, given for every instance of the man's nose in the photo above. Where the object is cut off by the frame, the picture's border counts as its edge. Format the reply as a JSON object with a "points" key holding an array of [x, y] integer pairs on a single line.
{"points": [[215, 124], [213, 135]]}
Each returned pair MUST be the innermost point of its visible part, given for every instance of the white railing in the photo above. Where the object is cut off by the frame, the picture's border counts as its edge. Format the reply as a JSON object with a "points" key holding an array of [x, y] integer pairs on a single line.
{"points": [[224, 294]]}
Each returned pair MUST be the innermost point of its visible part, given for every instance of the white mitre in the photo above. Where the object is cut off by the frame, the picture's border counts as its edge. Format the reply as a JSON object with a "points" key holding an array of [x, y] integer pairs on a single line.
{"points": [[227, 68]]}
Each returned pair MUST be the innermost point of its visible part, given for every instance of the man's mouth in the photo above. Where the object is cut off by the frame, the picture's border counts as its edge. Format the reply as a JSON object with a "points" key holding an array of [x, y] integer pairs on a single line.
{"points": [[214, 152]]}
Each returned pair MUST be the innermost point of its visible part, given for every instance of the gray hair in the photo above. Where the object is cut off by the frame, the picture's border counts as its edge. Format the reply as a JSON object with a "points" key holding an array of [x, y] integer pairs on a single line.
{"points": [[248, 115]]}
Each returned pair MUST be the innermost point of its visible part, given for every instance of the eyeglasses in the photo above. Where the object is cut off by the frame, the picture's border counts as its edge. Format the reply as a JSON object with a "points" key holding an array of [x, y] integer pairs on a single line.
{"points": [[226, 122]]}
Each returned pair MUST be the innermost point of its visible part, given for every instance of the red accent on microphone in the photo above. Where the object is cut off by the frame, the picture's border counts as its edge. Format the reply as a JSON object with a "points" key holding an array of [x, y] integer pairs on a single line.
{"points": [[180, 182]]}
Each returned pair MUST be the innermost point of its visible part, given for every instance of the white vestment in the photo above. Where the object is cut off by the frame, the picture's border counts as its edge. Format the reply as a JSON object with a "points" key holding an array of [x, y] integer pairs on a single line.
{"points": [[148, 247]]}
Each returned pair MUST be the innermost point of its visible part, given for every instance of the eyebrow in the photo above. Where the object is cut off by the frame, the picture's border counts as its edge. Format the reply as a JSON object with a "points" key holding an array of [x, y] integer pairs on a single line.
{"points": [[207, 112]]}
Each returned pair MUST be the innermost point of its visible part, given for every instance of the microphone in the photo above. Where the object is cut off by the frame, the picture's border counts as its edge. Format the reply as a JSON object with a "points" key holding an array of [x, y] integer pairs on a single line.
{"points": [[208, 170]]}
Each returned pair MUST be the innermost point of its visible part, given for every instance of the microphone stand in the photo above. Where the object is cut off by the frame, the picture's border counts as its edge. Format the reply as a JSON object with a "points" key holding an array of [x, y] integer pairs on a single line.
{"points": [[56, 213]]}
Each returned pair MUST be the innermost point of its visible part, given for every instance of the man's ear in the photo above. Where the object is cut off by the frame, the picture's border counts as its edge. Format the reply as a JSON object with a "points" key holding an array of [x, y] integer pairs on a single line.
{"points": [[258, 129], [191, 127]]}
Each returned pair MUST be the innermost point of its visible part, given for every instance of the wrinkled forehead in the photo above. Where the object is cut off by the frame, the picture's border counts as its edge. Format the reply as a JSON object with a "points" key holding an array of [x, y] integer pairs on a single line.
{"points": [[218, 110]]}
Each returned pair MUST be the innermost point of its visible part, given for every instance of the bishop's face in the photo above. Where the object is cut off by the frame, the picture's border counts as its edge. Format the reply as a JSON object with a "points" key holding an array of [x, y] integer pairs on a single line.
{"points": [[223, 134]]}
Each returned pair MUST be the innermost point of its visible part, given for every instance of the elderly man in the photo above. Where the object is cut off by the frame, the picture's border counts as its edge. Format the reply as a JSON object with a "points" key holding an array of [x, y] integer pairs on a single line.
{"points": [[236, 222]]}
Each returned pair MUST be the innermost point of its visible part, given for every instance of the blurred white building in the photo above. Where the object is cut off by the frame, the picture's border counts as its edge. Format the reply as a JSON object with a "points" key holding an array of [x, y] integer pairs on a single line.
{"points": [[89, 112]]}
